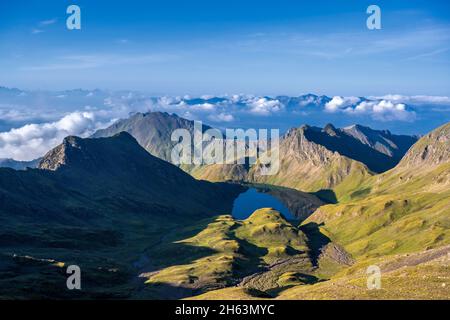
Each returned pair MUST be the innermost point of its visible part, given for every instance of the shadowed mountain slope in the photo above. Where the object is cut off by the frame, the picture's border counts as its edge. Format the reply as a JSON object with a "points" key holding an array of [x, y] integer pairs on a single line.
{"points": [[312, 158], [96, 203], [152, 130], [116, 173], [398, 221], [18, 165], [379, 150], [308, 166], [403, 210], [263, 253]]}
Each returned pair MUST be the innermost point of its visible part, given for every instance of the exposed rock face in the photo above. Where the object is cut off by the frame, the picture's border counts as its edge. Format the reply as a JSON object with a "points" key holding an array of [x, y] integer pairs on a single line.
{"points": [[431, 150], [384, 141], [336, 253], [58, 156], [405, 209], [311, 158], [308, 166], [379, 150]]}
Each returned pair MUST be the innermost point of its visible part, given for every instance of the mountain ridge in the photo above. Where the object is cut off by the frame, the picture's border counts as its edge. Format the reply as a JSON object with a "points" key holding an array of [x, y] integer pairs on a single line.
{"points": [[376, 149], [152, 130], [117, 173], [18, 165], [403, 210]]}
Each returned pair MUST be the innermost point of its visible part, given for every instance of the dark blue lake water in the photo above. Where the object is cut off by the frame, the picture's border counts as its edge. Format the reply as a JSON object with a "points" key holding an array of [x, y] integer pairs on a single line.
{"points": [[246, 203]]}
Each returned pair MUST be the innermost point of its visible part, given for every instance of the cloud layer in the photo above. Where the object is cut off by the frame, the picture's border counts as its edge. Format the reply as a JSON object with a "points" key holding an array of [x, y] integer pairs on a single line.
{"points": [[31, 122], [382, 110], [33, 140]]}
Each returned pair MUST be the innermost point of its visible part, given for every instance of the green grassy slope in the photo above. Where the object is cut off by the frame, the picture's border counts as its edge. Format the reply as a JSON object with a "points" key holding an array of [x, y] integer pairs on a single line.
{"points": [[263, 253], [399, 221], [422, 275], [224, 250], [99, 204], [308, 166], [406, 209]]}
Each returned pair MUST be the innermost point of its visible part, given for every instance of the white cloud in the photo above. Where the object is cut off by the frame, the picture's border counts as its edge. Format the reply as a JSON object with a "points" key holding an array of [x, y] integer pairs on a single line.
{"points": [[221, 117], [389, 111], [81, 112], [36, 31], [382, 110], [419, 99], [48, 22], [264, 106], [204, 106], [309, 100], [18, 113], [385, 110], [34, 140], [340, 103]]}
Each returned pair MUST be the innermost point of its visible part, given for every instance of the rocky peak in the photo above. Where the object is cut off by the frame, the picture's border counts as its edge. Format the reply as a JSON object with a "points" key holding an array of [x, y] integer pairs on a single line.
{"points": [[431, 150], [57, 157], [297, 144], [75, 150], [330, 129]]}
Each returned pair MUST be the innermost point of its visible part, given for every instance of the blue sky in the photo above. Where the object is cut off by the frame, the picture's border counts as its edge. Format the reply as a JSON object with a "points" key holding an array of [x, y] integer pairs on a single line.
{"points": [[218, 47], [163, 55]]}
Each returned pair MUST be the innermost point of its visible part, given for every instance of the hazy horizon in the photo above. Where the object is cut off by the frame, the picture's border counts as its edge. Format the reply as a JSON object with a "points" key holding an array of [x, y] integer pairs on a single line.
{"points": [[234, 46]]}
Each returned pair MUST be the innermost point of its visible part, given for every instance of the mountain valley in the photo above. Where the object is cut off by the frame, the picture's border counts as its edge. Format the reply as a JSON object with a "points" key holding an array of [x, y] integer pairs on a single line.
{"points": [[141, 227]]}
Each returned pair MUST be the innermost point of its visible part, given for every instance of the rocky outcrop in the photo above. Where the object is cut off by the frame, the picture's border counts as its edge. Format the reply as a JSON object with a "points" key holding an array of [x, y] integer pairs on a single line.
{"points": [[431, 150], [308, 166]]}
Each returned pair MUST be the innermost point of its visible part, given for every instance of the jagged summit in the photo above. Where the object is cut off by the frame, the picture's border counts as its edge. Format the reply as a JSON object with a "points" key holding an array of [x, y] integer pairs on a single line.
{"points": [[113, 173], [318, 147], [152, 130], [76, 151], [379, 150], [330, 129], [309, 166]]}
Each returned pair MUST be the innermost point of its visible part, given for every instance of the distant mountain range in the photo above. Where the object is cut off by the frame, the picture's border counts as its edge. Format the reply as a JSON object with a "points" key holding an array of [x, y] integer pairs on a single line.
{"points": [[141, 227], [379, 150], [398, 221], [393, 112], [18, 165], [152, 130], [402, 209], [119, 212], [303, 151], [108, 174], [89, 198]]}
